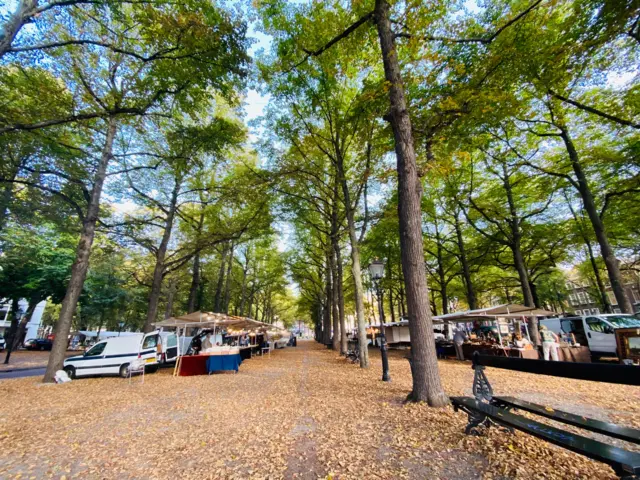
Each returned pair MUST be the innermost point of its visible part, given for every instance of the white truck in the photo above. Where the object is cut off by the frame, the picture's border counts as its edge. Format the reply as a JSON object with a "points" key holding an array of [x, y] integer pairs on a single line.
{"points": [[595, 331], [113, 356]]}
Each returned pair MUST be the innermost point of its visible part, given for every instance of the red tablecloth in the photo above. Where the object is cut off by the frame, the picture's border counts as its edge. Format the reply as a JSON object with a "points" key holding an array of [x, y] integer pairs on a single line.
{"points": [[192, 365]]}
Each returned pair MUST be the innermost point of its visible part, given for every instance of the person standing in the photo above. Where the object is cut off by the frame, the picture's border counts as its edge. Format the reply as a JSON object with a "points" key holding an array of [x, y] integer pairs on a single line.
{"points": [[458, 339], [549, 343]]}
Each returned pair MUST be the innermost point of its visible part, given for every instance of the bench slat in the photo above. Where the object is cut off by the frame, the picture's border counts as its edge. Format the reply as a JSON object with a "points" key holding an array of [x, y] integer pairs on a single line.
{"points": [[596, 372], [606, 428], [619, 459]]}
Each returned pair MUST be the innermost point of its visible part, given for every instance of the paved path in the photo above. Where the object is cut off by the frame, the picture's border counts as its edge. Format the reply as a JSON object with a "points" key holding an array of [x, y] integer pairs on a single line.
{"points": [[303, 413], [22, 372]]}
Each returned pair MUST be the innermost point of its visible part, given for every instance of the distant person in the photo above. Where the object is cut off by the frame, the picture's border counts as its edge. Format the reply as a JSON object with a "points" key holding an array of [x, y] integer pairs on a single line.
{"points": [[458, 339], [206, 344], [549, 343]]}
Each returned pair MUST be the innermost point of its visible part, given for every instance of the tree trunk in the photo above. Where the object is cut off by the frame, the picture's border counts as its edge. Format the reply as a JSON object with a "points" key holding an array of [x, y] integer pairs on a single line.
{"points": [[355, 264], [195, 285], [250, 305], [335, 339], [217, 303], [171, 295], [403, 306], [426, 376], [608, 255], [158, 271], [13, 330], [326, 313], [515, 244], [466, 270], [393, 314], [227, 286], [442, 280], [604, 300], [344, 339], [245, 271], [9, 30], [81, 263]]}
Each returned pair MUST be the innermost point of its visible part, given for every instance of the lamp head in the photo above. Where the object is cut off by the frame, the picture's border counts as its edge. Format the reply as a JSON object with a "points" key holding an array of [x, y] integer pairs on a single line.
{"points": [[376, 269]]}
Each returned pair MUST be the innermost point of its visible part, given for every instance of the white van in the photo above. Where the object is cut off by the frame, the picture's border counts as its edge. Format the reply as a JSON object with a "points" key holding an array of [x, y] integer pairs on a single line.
{"points": [[595, 331], [169, 348], [112, 356]]}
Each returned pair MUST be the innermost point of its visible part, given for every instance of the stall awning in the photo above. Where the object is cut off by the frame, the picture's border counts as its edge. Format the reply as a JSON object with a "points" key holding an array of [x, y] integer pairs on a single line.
{"points": [[212, 319], [508, 310]]}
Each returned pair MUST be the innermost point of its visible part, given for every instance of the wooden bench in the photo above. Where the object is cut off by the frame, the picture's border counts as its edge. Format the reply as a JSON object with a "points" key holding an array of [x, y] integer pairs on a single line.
{"points": [[486, 409]]}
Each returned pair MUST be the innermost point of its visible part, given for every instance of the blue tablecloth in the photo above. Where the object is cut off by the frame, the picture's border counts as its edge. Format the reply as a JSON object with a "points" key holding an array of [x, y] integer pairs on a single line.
{"points": [[216, 363]]}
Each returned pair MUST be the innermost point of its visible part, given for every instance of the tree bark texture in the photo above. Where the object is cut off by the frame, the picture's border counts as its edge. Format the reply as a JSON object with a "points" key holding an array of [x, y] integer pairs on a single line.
{"points": [[427, 386], [335, 312], [227, 285], [23, 14], [81, 263], [158, 271], [195, 285], [217, 303], [171, 295]]}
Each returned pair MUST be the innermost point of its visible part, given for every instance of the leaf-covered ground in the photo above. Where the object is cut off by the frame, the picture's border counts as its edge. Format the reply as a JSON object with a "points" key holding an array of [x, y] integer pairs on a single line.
{"points": [[303, 413]]}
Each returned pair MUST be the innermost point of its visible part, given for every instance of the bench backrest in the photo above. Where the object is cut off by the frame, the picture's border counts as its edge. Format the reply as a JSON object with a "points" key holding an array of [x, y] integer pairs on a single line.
{"points": [[596, 372]]}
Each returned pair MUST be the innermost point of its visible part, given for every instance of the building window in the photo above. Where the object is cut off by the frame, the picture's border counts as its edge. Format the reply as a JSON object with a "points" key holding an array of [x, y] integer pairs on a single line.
{"points": [[572, 299], [583, 298], [636, 296], [612, 298], [595, 311], [578, 312], [617, 310]]}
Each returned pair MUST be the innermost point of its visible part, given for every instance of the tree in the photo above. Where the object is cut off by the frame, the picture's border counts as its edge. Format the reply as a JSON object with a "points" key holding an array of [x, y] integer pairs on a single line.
{"points": [[35, 265], [135, 85]]}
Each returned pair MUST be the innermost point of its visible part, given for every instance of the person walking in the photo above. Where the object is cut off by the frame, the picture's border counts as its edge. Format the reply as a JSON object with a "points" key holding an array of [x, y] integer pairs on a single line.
{"points": [[549, 343], [458, 339]]}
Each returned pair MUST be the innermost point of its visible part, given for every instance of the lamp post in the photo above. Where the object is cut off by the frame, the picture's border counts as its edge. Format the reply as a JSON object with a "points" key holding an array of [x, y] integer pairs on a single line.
{"points": [[376, 270], [120, 325]]}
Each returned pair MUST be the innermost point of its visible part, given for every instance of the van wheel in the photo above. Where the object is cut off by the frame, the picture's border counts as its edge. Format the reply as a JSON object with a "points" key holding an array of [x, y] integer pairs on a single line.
{"points": [[124, 370], [71, 372]]}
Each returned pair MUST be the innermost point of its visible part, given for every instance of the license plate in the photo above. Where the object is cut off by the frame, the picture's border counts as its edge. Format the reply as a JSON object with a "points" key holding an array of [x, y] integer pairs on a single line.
{"points": [[150, 360]]}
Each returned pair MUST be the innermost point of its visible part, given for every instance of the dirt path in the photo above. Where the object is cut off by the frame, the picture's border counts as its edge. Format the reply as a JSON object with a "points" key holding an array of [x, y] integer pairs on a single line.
{"points": [[304, 413]]}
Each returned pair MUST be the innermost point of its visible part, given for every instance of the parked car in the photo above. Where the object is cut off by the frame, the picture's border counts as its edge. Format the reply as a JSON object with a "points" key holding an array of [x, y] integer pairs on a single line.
{"points": [[114, 355], [595, 331], [38, 344], [3, 343]]}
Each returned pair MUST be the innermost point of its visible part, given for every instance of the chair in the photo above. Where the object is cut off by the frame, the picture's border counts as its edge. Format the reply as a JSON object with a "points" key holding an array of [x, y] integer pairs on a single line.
{"points": [[136, 366]]}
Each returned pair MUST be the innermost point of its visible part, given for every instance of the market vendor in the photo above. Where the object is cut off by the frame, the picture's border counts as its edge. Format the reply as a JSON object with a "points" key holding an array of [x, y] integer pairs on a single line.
{"points": [[521, 342], [206, 344]]}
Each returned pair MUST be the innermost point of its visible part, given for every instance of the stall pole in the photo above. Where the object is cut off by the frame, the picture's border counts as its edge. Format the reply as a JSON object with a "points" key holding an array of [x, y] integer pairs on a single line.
{"points": [[526, 327]]}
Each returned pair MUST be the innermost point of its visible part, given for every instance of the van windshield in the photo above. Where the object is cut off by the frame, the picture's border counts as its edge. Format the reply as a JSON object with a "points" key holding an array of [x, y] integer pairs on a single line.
{"points": [[623, 321]]}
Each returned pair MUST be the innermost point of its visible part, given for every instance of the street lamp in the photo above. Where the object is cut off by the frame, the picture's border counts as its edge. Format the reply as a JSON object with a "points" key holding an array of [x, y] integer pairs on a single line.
{"points": [[120, 325], [376, 270]]}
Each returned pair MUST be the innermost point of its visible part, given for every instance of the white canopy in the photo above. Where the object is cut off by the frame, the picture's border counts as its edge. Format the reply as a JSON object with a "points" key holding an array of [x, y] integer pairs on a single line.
{"points": [[508, 310], [215, 320]]}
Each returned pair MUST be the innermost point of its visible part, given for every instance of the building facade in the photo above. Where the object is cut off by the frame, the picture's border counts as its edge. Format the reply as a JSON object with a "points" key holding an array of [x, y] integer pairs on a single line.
{"points": [[582, 302]]}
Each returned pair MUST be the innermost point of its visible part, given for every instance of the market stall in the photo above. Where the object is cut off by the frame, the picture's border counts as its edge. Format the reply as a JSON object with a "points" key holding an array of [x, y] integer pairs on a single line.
{"points": [[221, 343], [494, 329]]}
